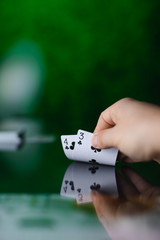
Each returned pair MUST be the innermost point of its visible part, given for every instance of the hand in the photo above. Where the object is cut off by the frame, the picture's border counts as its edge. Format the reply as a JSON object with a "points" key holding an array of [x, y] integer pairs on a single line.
{"points": [[131, 126]]}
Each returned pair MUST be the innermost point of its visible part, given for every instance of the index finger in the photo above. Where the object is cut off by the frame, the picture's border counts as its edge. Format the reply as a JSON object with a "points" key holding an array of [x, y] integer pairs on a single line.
{"points": [[105, 120]]}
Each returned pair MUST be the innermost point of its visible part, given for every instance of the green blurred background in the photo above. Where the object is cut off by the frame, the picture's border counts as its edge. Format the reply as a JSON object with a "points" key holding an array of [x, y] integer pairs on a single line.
{"points": [[80, 58]]}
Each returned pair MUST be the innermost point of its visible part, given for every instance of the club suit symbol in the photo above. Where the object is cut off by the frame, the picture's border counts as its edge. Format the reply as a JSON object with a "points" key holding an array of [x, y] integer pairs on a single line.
{"points": [[93, 169], [72, 146], [95, 149], [95, 186], [93, 161]]}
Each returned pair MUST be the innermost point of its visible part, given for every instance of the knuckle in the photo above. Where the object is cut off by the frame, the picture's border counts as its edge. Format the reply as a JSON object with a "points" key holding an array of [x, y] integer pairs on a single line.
{"points": [[102, 114], [126, 99]]}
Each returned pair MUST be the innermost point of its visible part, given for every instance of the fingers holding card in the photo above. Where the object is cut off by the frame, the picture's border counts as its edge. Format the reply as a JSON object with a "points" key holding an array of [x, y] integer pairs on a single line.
{"points": [[78, 147], [85, 152]]}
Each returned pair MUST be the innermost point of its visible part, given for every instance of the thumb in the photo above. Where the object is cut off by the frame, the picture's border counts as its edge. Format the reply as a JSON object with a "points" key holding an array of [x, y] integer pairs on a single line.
{"points": [[105, 138]]}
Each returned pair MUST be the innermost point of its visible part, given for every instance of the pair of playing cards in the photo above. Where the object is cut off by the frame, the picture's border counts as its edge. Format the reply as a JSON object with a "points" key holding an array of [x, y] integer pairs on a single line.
{"points": [[78, 148], [81, 178]]}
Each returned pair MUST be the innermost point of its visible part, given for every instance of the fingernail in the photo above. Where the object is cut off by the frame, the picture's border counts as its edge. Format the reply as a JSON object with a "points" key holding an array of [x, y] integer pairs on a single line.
{"points": [[93, 196], [95, 140]]}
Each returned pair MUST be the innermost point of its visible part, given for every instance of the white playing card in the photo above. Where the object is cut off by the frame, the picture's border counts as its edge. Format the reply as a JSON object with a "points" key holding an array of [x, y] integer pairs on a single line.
{"points": [[68, 143], [85, 152]]}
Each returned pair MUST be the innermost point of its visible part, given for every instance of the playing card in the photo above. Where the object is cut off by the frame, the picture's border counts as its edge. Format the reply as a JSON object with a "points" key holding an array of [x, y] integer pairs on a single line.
{"points": [[83, 150], [68, 143]]}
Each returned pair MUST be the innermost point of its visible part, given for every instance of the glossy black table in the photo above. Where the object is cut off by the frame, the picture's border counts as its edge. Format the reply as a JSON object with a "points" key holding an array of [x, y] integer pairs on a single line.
{"points": [[51, 216]]}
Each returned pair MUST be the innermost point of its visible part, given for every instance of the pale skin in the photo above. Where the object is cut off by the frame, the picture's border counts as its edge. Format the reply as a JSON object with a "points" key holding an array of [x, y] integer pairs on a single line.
{"points": [[131, 126], [134, 128]]}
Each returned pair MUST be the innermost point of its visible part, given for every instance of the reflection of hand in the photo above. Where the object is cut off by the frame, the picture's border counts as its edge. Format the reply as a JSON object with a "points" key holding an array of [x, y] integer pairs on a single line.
{"points": [[139, 198], [131, 126], [131, 184], [127, 219]]}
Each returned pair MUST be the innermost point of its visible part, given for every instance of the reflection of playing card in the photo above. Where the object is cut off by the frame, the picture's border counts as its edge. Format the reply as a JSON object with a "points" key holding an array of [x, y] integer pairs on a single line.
{"points": [[86, 153], [68, 188], [68, 143], [88, 177]]}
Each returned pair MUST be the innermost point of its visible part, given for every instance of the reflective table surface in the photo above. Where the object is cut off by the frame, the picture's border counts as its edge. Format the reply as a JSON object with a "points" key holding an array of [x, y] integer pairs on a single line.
{"points": [[131, 212], [46, 217]]}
